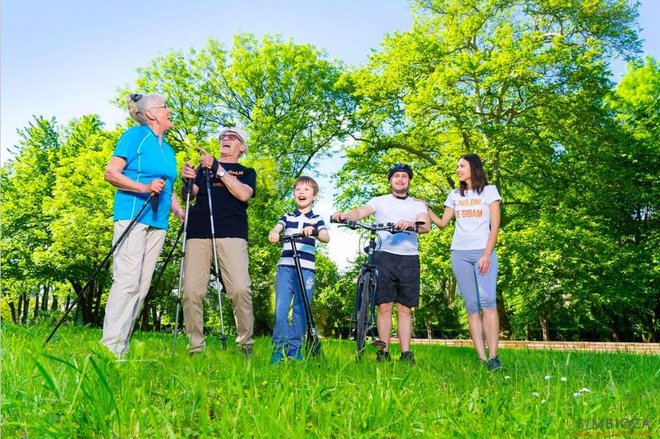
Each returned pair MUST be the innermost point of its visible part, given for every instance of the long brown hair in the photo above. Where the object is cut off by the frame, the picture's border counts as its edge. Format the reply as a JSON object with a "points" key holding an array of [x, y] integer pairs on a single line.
{"points": [[477, 174]]}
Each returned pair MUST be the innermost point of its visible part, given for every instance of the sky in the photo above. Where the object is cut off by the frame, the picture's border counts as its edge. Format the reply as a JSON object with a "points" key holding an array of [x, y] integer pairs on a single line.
{"points": [[68, 58]]}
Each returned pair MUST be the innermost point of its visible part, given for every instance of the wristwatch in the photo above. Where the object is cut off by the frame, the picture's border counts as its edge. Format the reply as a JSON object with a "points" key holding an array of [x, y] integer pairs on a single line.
{"points": [[221, 173]]}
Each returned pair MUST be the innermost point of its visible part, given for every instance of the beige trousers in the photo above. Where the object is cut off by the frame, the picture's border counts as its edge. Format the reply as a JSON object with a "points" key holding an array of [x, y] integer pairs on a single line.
{"points": [[233, 262], [133, 266]]}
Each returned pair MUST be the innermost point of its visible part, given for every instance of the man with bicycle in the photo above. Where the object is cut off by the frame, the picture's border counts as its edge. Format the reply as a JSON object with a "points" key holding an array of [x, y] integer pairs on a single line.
{"points": [[398, 258]]}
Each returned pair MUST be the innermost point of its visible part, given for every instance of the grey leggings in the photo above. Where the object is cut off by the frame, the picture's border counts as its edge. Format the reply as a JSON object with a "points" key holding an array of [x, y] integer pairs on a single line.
{"points": [[478, 291]]}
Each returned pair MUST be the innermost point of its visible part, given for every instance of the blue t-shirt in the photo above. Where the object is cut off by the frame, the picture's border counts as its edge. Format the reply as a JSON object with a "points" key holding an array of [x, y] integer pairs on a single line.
{"points": [[146, 160]]}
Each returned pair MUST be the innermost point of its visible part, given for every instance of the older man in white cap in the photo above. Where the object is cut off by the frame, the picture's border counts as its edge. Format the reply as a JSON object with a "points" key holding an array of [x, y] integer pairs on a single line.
{"points": [[232, 185]]}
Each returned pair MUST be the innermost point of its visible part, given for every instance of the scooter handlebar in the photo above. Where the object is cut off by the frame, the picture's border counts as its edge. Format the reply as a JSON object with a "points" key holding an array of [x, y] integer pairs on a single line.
{"points": [[296, 236]]}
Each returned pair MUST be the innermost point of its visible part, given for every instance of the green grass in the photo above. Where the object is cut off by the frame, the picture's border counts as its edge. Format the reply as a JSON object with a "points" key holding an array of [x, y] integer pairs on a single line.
{"points": [[73, 388]]}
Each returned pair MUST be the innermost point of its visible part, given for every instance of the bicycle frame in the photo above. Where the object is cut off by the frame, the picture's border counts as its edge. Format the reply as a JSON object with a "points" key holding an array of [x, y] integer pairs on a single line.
{"points": [[364, 313]]}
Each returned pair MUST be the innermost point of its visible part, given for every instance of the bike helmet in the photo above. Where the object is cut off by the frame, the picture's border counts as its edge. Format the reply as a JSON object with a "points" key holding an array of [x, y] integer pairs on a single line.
{"points": [[400, 167]]}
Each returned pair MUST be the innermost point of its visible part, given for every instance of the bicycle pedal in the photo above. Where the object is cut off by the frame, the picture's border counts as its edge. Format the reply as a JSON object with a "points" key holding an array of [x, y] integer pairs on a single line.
{"points": [[380, 344]]}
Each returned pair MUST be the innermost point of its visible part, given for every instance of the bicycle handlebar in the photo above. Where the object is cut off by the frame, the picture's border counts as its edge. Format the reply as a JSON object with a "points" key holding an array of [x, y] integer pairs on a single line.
{"points": [[376, 227]]}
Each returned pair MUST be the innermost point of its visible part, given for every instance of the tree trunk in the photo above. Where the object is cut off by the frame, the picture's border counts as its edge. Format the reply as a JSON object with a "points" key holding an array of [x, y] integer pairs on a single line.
{"points": [[36, 306], [429, 330], [53, 306], [96, 311], [26, 308], [505, 323], [44, 298], [144, 317], [155, 318], [544, 328], [12, 308]]}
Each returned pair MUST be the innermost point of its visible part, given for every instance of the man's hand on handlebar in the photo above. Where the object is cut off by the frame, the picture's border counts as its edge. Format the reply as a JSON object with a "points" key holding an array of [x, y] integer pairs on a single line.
{"points": [[405, 225], [338, 217]]}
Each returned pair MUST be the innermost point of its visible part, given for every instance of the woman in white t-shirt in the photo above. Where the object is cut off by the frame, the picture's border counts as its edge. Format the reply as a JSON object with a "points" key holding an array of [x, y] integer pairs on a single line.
{"points": [[476, 206]]}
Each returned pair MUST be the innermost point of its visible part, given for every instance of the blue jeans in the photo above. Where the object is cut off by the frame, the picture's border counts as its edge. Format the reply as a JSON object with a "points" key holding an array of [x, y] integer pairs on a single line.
{"points": [[286, 288]]}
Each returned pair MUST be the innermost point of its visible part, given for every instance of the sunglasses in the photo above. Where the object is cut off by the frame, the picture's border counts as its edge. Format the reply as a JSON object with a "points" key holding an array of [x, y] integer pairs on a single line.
{"points": [[229, 137], [136, 97]]}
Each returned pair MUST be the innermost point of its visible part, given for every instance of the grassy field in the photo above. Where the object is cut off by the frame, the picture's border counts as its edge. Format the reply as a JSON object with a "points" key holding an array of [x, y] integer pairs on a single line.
{"points": [[73, 388]]}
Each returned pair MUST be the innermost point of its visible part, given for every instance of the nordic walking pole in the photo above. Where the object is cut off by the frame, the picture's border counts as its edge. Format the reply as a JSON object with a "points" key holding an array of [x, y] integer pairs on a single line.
{"points": [[189, 185], [223, 337], [98, 268]]}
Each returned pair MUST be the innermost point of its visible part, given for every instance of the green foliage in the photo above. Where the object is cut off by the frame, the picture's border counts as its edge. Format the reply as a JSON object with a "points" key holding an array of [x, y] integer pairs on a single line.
{"points": [[525, 84], [75, 389]]}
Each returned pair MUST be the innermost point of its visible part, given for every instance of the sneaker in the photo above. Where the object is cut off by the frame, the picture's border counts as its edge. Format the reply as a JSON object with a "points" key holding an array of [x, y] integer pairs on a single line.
{"points": [[494, 364], [407, 357], [277, 357], [295, 353], [383, 356], [246, 350]]}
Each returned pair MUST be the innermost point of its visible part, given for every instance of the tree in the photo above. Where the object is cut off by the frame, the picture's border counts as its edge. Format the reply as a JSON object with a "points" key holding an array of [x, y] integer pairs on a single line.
{"points": [[288, 98], [522, 84], [27, 180]]}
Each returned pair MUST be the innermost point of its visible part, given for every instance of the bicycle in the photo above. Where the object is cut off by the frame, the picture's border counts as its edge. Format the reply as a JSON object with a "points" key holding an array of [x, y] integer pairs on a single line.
{"points": [[364, 313]]}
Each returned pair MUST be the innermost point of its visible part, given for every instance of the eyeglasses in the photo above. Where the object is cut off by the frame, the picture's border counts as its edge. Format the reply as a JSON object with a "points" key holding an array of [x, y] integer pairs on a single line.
{"points": [[229, 137]]}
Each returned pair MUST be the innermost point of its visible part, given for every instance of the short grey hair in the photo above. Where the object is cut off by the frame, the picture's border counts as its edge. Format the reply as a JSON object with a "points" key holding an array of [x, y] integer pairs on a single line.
{"points": [[138, 104]]}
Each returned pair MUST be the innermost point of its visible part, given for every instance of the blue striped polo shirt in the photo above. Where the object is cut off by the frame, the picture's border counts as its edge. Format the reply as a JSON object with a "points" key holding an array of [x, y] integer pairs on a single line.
{"points": [[294, 222]]}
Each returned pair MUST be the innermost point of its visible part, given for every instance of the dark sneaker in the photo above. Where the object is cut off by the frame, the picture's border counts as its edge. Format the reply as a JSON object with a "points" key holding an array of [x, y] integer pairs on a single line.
{"points": [[407, 357], [246, 350], [383, 356], [277, 357], [295, 353], [494, 364]]}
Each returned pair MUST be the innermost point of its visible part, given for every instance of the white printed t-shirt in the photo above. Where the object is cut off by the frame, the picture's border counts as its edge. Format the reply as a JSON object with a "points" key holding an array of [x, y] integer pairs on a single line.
{"points": [[390, 209], [472, 217]]}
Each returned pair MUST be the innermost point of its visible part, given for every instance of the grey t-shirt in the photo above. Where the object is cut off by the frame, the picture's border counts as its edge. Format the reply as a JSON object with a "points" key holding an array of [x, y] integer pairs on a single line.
{"points": [[472, 217], [390, 209]]}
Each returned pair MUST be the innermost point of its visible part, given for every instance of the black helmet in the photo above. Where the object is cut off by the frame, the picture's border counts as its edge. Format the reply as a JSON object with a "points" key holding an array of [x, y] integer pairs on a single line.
{"points": [[399, 167]]}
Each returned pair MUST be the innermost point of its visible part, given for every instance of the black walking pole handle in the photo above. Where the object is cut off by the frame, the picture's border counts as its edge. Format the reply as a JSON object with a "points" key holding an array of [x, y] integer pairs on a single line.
{"points": [[154, 200]]}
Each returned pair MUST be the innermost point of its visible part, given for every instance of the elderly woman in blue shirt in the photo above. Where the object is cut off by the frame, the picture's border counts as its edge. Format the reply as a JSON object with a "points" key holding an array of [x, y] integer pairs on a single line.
{"points": [[142, 164]]}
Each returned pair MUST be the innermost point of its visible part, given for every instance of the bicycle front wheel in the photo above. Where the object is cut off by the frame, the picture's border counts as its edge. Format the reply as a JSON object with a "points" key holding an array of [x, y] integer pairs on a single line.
{"points": [[361, 310]]}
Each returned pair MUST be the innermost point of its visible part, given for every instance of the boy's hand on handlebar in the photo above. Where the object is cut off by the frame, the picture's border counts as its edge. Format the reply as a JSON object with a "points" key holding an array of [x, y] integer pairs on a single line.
{"points": [[274, 236], [308, 231]]}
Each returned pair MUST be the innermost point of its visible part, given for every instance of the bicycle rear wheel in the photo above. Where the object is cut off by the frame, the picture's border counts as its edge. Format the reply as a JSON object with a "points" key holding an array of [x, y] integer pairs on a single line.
{"points": [[361, 311]]}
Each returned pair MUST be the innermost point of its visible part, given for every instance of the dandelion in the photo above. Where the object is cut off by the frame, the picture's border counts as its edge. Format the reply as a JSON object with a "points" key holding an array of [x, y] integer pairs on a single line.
{"points": [[577, 394], [535, 394], [507, 377], [543, 401], [547, 377], [563, 378], [584, 390]]}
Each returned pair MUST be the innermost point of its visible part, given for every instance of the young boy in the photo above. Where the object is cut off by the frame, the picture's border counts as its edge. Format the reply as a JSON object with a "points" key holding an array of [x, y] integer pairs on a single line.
{"points": [[287, 339]]}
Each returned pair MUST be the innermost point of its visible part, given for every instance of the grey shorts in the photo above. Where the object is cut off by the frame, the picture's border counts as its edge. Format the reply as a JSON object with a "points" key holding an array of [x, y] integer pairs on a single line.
{"points": [[478, 290]]}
